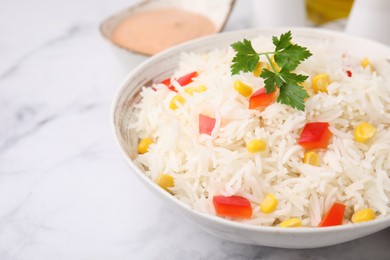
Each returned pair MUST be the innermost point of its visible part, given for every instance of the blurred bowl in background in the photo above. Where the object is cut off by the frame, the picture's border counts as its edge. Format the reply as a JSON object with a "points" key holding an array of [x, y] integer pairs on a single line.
{"points": [[217, 11]]}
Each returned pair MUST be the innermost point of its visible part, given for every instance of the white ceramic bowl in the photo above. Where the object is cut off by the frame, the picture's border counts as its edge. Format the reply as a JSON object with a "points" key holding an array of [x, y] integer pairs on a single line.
{"points": [[162, 65]]}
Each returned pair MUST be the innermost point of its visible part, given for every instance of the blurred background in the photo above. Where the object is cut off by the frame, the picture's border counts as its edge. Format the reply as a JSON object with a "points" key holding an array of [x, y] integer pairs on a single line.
{"points": [[364, 18]]}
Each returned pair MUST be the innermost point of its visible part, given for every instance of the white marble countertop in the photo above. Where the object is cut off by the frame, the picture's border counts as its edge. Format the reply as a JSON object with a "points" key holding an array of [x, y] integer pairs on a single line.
{"points": [[65, 190]]}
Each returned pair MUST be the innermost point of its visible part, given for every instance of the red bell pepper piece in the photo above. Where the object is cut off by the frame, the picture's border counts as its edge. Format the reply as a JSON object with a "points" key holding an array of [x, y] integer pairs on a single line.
{"points": [[187, 79], [206, 124], [335, 215], [315, 135], [166, 82], [233, 206], [184, 80], [261, 99]]}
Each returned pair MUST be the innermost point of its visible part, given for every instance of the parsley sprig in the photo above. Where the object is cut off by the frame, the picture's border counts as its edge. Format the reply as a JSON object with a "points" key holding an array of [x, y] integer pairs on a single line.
{"points": [[287, 56]]}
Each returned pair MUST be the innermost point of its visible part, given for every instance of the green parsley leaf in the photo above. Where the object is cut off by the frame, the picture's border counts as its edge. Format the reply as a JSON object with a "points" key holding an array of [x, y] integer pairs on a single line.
{"points": [[288, 56], [292, 78], [271, 80], [246, 57], [291, 56], [293, 96], [283, 42]]}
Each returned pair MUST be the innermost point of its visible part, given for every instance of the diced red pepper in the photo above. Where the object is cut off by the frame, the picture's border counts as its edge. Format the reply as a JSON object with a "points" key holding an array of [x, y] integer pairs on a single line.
{"points": [[187, 79], [233, 206], [349, 73], [172, 88], [315, 135], [206, 124], [261, 99], [335, 215], [166, 82], [184, 80]]}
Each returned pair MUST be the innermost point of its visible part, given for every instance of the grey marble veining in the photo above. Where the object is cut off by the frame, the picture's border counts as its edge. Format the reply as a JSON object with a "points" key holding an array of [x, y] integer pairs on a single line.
{"points": [[65, 191]]}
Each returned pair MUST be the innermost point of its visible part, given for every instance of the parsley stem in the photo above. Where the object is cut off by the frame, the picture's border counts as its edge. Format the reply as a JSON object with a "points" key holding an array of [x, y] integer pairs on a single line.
{"points": [[269, 61]]}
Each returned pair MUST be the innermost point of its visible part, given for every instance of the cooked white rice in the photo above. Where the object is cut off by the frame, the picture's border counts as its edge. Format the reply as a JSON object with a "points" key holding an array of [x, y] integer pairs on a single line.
{"points": [[352, 173]]}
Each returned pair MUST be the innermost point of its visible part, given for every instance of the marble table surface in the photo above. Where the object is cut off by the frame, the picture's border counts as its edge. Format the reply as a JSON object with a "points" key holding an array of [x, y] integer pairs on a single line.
{"points": [[65, 190]]}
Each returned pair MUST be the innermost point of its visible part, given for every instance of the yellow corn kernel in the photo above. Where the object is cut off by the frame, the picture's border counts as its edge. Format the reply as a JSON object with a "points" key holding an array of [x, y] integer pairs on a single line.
{"points": [[363, 132], [274, 64], [363, 215], [165, 181], [176, 99], [269, 203], [292, 222], [192, 90], [256, 145], [143, 145], [320, 83], [311, 158], [242, 88], [259, 68], [367, 63]]}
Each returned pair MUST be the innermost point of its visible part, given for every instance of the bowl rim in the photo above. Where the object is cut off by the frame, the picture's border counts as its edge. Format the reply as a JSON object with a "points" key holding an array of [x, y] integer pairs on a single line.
{"points": [[214, 218]]}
